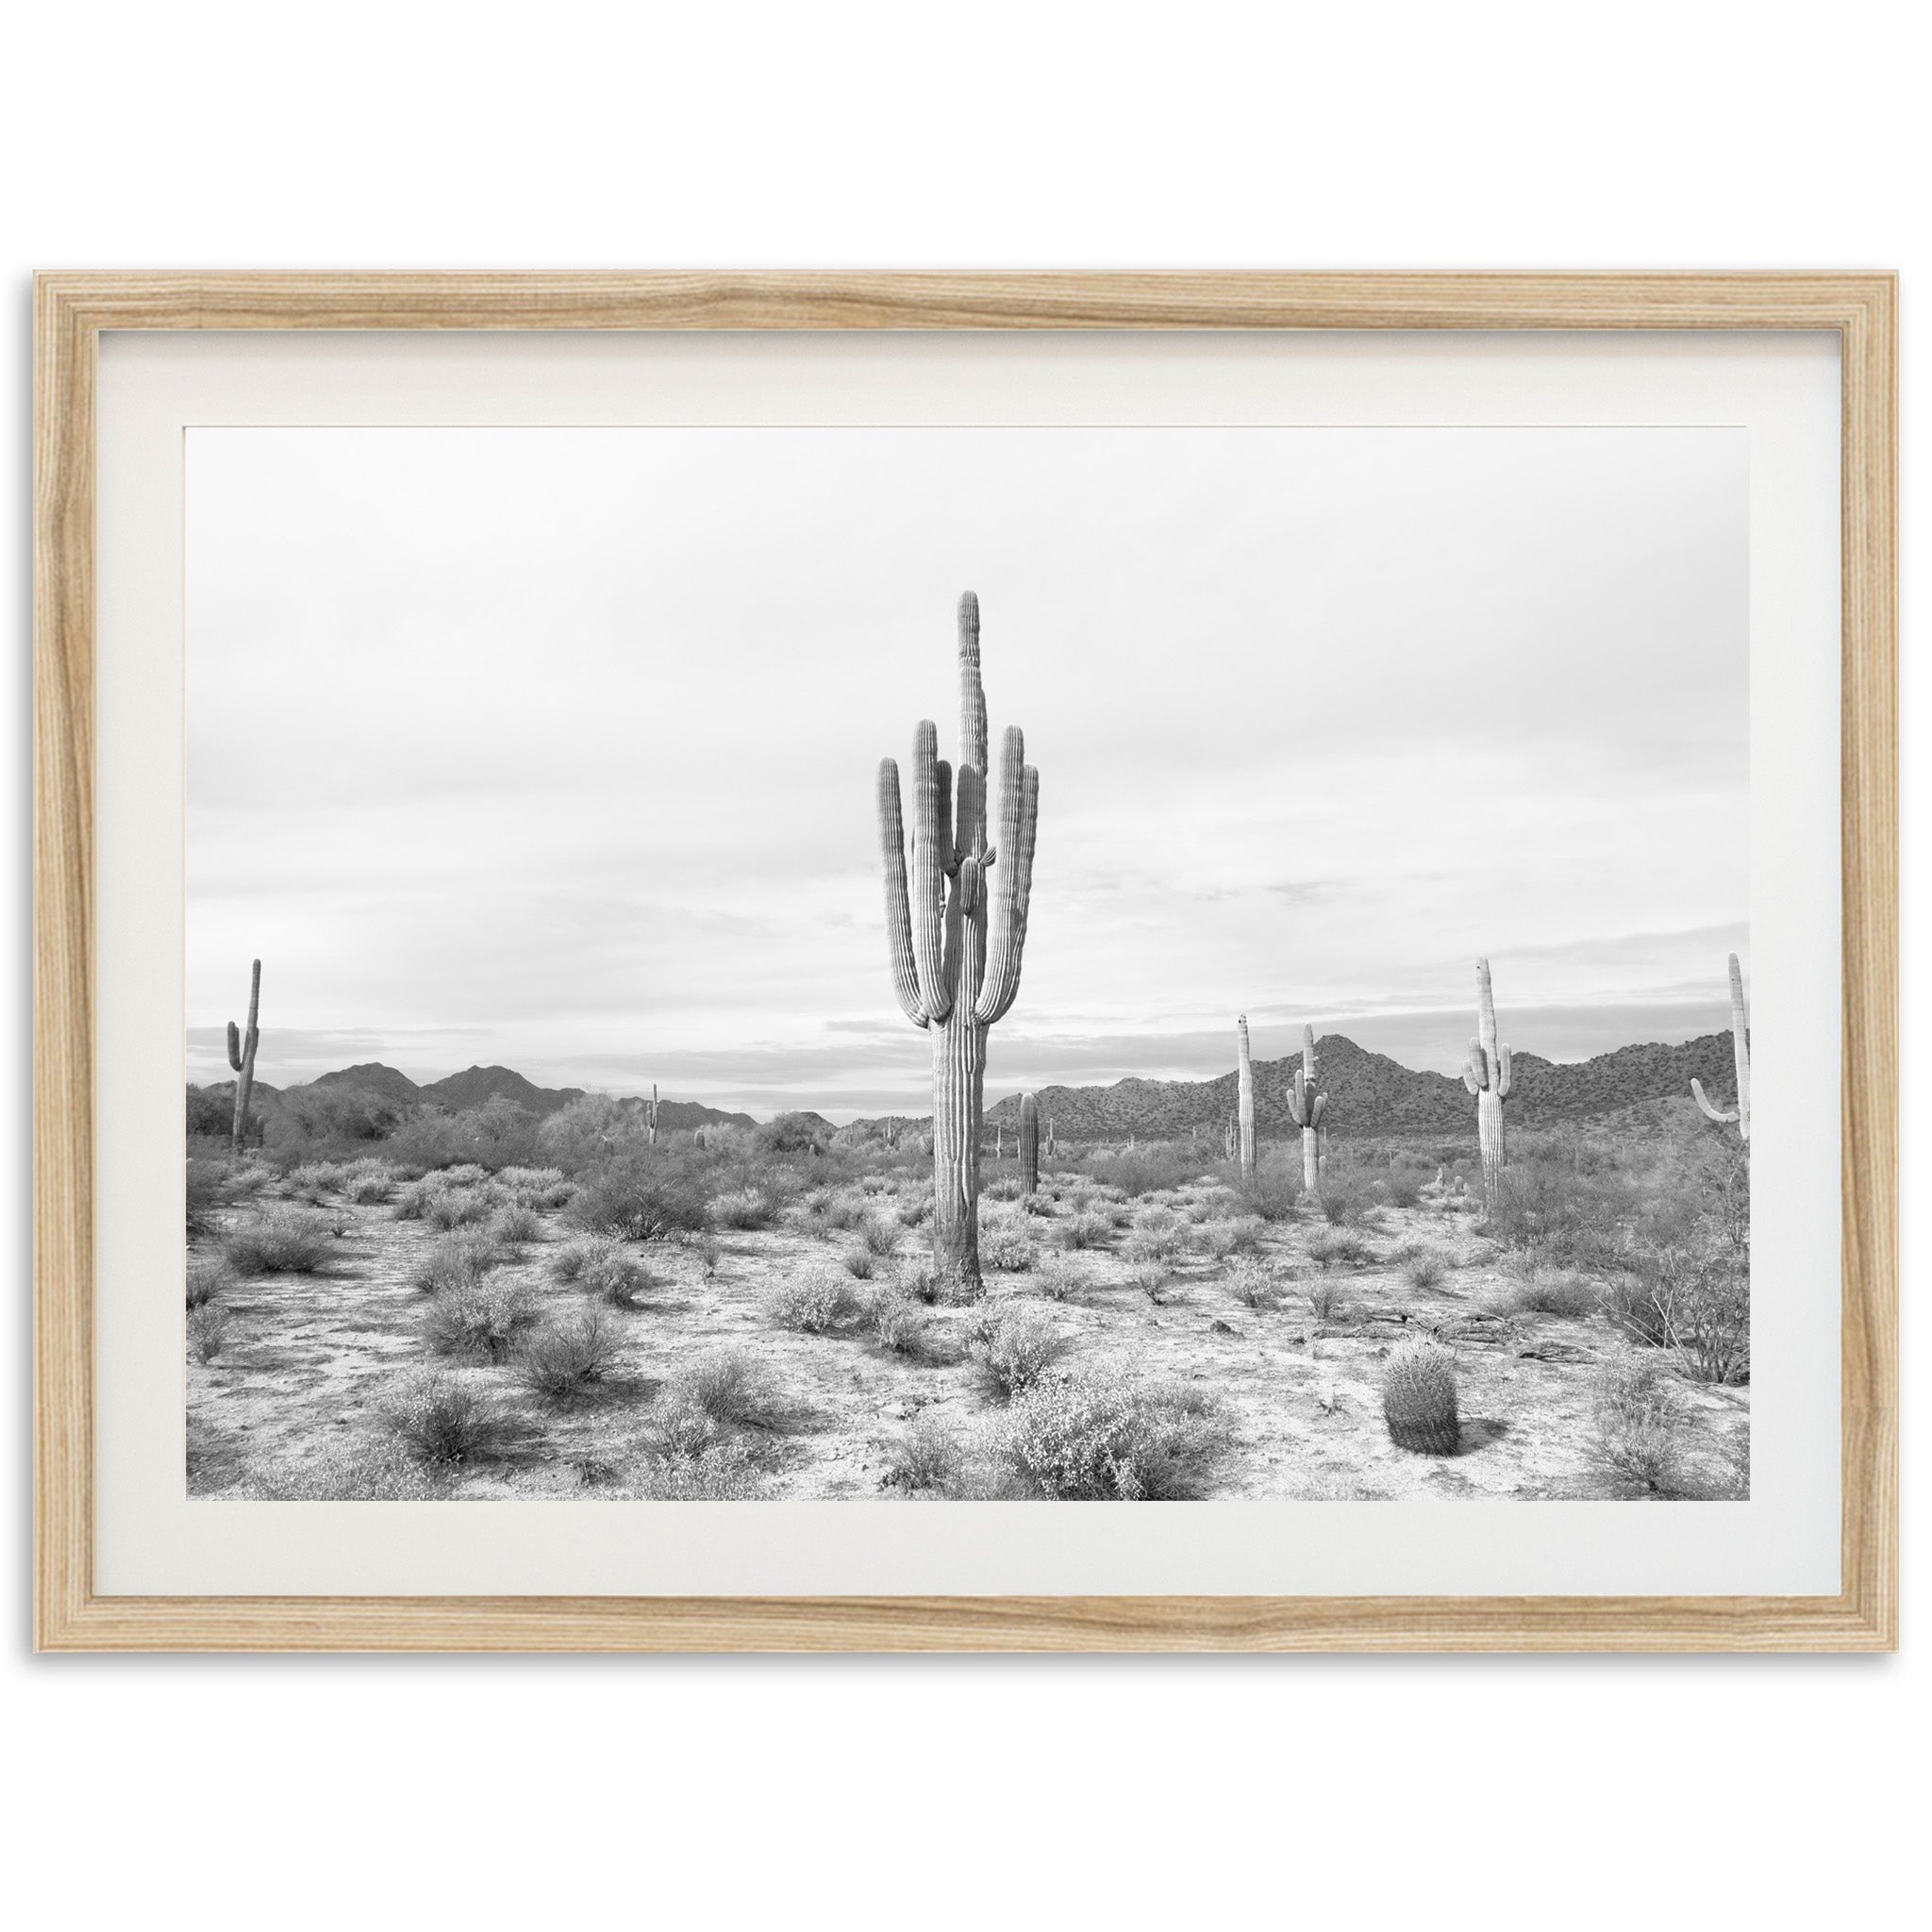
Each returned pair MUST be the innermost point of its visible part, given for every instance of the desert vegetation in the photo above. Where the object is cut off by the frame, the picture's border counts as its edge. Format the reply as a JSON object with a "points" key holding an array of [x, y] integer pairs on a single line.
{"points": [[394, 1299]]}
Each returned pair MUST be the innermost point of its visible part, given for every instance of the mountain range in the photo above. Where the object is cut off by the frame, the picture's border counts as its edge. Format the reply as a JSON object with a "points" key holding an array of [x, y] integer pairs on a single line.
{"points": [[475, 1085], [1369, 1093]]}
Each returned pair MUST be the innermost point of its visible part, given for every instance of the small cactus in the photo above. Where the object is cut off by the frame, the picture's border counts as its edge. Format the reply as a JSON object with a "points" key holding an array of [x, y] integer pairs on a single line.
{"points": [[241, 1057], [1488, 1074], [1418, 1398], [1029, 1144], [1740, 1050], [1305, 1109], [1245, 1113]]}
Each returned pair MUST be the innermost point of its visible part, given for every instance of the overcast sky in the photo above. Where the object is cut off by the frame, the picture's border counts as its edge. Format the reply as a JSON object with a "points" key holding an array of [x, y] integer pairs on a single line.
{"points": [[557, 748]]}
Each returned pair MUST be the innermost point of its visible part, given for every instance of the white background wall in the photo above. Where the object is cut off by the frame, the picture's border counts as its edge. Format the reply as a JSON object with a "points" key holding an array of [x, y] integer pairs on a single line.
{"points": [[387, 1792]]}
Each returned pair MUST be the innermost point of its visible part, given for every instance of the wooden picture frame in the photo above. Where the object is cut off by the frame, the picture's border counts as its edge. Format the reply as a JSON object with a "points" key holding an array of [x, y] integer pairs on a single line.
{"points": [[72, 312]]}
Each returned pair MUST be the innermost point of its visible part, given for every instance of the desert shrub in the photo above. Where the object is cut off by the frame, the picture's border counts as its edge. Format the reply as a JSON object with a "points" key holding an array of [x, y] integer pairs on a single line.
{"points": [[449, 1208], [207, 1328], [1057, 1278], [1419, 1397], [895, 1320], [442, 1417], [1271, 1192], [880, 1237], [1007, 1187], [1325, 1298], [1096, 1434], [810, 1303], [283, 1240], [839, 1212], [1151, 1279], [1338, 1250], [1086, 1231], [925, 1461], [458, 1260], [1345, 1204], [1254, 1285], [742, 1207], [604, 1268], [1005, 1247], [563, 1362], [718, 1473], [483, 1318], [1425, 1269], [589, 1132], [315, 1180], [1401, 1188], [710, 1251], [308, 1118], [535, 1186], [209, 1277], [1637, 1426], [515, 1224], [1226, 1239], [920, 1279], [1136, 1170], [1159, 1235], [730, 1390], [642, 1198], [211, 1110], [1692, 1296], [1014, 1347], [859, 1263], [203, 1191], [795, 1133], [915, 1210], [1552, 1292], [371, 1187]]}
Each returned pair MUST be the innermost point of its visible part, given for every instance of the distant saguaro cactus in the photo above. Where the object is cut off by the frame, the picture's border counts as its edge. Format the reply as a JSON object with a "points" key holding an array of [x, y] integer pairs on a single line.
{"points": [[1741, 1051], [1305, 1109], [241, 1057], [1487, 1075], [1418, 1398], [1245, 1111], [651, 1117], [956, 964], [1029, 1144], [1231, 1138], [1053, 1145]]}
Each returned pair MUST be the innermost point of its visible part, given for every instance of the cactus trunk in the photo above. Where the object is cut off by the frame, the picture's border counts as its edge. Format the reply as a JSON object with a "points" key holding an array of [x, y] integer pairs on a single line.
{"points": [[1489, 1077], [955, 960], [1029, 1144], [241, 1058], [1245, 1113], [1741, 1055]]}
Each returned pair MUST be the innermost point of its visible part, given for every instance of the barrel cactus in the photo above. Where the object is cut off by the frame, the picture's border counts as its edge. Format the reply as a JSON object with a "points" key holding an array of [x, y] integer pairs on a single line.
{"points": [[1305, 1109], [1419, 1397], [955, 957], [1246, 1110], [1487, 1074], [241, 1057], [1740, 1052], [1029, 1144]]}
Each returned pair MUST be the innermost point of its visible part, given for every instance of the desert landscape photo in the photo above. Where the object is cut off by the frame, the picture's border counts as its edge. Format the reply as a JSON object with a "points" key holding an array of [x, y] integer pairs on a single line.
{"points": [[687, 1000]]}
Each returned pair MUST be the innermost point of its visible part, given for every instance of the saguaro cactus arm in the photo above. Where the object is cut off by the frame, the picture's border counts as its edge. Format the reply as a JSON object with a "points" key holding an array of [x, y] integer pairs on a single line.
{"points": [[1723, 1115], [1019, 821], [234, 1046], [898, 904]]}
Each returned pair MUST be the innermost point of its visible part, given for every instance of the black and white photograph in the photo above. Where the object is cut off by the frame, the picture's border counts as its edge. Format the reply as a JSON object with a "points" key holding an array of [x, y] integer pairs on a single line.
{"points": [[1145, 964]]}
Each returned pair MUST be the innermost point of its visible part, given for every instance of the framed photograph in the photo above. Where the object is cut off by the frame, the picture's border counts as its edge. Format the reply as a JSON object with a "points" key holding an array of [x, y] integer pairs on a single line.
{"points": [[710, 948]]}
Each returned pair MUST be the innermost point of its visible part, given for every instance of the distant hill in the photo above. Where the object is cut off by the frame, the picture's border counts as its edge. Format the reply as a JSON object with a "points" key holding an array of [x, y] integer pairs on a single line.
{"points": [[371, 1076], [475, 1085], [1370, 1094]]}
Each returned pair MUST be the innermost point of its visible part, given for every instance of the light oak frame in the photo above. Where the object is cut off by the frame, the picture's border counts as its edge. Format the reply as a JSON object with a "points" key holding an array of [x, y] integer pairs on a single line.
{"points": [[71, 310]]}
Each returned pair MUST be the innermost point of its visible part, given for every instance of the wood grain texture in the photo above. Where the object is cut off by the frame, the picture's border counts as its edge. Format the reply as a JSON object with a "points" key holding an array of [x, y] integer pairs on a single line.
{"points": [[70, 311]]}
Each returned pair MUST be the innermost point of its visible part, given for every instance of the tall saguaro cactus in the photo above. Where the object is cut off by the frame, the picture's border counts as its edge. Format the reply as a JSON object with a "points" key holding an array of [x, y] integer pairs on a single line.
{"points": [[1487, 1075], [1029, 1144], [1305, 1109], [1246, 1109], [1740, 1052], [956, 959], [241, 1057]]}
